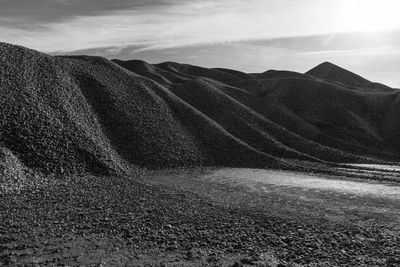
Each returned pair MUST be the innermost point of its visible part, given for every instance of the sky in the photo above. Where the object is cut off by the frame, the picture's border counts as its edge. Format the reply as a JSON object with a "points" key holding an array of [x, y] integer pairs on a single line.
{"points": [[248, 35]]}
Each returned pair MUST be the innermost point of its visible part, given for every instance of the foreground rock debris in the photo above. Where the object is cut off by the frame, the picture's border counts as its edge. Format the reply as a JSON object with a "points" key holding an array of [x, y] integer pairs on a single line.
{"points": [[85, 145], [186, 219]]}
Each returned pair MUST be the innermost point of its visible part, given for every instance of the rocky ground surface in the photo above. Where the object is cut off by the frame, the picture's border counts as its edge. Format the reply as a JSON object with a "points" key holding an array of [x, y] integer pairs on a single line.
{"points": [[184, 219]]}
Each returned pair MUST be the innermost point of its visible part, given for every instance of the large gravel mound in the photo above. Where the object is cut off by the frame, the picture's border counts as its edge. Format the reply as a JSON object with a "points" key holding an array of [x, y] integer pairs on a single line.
{"points": [[75, 114]]}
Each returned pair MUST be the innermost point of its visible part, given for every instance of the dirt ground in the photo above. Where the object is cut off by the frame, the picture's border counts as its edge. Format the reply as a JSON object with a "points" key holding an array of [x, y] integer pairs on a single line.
{"points": [[225, 217]]}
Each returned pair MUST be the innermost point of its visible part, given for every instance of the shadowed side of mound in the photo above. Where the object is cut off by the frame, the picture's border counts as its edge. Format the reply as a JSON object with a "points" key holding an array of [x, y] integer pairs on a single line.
{"points": [[248, 117], [338, 112], [156, 128], [223, 148], [278, 112], [327, 113], [140, 126], [222, 145], [237, 119]]}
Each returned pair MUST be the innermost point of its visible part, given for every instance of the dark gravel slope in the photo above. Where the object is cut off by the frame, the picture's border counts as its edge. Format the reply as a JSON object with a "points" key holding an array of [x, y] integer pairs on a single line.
{"points": [[44, 118], [332, 120], [138, 123], [88, 114]]}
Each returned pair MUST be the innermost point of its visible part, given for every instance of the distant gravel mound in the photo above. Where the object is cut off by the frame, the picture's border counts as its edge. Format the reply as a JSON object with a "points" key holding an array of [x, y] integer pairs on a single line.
{"points": [[332, 72], [74, 114]]}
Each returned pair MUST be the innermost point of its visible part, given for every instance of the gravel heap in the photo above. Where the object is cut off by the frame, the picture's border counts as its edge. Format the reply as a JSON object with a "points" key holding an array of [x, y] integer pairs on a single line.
{"points": [[74, 114]]}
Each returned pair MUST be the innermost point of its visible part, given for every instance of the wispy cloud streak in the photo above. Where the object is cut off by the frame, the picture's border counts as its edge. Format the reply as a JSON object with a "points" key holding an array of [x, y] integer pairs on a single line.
{"points": [[164, 23]]}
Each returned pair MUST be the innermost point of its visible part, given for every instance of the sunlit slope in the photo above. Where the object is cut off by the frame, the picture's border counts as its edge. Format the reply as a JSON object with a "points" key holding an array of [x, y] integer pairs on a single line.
{"points": [[45, 119]]}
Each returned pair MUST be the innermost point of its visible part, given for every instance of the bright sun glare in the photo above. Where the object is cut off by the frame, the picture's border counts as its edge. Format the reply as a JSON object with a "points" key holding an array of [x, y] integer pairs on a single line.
{"points": [[370, 15]]}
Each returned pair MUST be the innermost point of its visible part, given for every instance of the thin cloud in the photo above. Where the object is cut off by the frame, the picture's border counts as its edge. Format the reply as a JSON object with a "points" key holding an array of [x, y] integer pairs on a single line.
{"points": [[47, 11], [376, 51], [325, 52], [166, 24]]}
